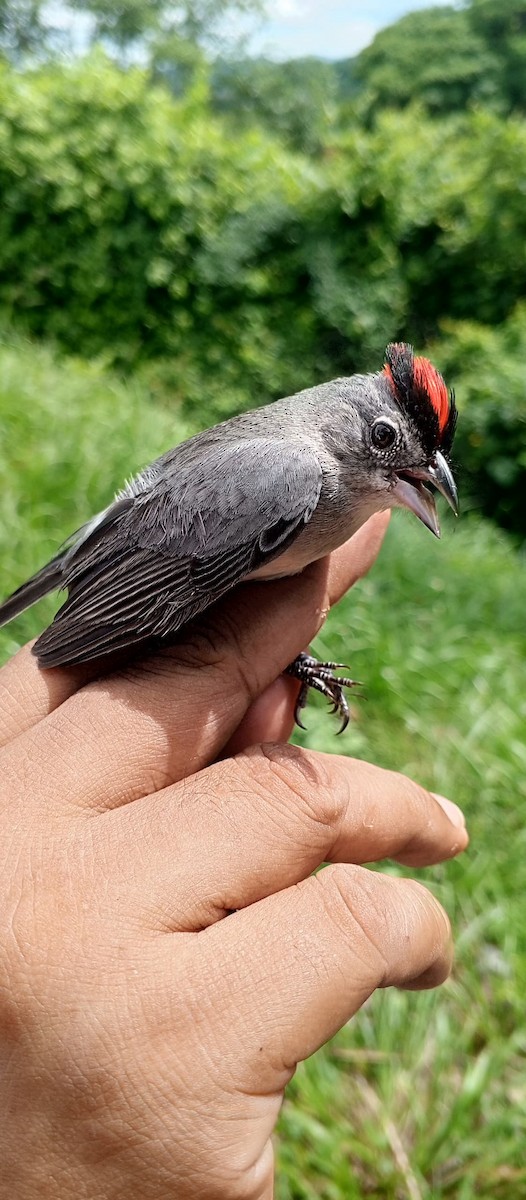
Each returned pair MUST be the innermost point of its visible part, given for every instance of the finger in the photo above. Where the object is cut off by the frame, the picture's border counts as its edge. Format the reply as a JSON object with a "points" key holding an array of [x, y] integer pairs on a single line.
{"points": [[288, 972], [359, 554], [269, 719], [167, 716], [265, 821], [271, 716], [28, 694]]}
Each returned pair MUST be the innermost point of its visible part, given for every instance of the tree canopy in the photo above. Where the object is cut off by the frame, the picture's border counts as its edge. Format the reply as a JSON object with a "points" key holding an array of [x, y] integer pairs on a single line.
{"points": [[28, 27], [432, 55]]}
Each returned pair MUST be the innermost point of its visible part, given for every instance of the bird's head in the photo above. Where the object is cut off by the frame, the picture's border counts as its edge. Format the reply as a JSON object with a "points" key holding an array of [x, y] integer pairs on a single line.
{"points": [[403, 427]]}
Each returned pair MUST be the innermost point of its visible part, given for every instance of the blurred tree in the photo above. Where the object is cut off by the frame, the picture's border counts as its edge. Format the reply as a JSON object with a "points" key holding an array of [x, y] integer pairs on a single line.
{"points": [[502, 25], [449, 194], [23, 30], [137, 225], [487, 365], [129, 25], [434, 56], [160, 30], [349, 86], [296, 100]]}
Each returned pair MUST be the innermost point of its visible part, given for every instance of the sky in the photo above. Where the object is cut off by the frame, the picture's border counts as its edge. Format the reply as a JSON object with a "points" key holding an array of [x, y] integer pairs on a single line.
{"points": [[327, 28]]}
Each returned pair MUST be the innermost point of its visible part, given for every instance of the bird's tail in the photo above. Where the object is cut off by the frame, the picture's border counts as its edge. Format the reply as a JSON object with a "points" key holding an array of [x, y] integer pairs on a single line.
{"points": [[48, 579]]}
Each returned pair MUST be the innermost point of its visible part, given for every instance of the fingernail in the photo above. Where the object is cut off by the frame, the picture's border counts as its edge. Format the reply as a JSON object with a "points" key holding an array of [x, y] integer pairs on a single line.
{"points": [[455, 814]]}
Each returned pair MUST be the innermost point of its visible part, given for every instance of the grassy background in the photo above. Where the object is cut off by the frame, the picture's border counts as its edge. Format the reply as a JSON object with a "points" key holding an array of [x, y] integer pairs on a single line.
{"points": [[423, 1095]]}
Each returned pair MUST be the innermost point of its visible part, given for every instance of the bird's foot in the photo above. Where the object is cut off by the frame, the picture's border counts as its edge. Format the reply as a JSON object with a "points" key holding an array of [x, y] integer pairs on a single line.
{"points": [[320, 676]]}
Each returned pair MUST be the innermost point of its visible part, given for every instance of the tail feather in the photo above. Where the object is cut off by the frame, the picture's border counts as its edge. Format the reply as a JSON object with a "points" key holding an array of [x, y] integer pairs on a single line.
{"points": [[48, 579]]}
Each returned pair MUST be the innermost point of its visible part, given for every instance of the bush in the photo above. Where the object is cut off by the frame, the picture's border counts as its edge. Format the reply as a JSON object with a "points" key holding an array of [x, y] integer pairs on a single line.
{"points": [[113, 193], [135, 227], [487, 367]]}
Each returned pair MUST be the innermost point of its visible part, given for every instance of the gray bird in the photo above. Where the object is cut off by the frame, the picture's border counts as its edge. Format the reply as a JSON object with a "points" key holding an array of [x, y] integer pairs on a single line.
{"points": [[256, 497]]}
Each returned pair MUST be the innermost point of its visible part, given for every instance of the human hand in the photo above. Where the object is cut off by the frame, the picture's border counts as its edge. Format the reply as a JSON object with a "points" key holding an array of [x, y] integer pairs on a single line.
{"points": [[167, 955]]}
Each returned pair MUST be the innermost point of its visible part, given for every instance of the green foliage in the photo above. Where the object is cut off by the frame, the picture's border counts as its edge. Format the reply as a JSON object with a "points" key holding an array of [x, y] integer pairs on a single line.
{"points": [[449, 196], [295, 100], [421, 1095], [433, 56], [446, 58], [116, 197], [134, 226], [502, 25], [488, 368]]}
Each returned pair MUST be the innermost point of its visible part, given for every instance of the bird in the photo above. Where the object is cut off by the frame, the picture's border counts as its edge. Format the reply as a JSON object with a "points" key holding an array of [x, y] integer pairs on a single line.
{"points": [[259, 496]]}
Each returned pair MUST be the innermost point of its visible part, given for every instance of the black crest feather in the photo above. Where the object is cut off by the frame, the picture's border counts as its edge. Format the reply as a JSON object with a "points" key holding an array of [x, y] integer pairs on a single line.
{"points": [[422, 395]]}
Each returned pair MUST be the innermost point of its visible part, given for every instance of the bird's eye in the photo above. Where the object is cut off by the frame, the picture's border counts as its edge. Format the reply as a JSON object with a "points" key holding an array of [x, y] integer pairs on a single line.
{"points": [[383, 435]]}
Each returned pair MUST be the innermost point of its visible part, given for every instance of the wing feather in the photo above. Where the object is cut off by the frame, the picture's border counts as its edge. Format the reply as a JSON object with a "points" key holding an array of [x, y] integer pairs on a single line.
{"points": [[164, 555]]}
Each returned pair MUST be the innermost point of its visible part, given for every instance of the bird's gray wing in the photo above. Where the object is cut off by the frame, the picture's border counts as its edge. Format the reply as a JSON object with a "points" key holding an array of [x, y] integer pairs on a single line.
{"points": [[186, 532]]}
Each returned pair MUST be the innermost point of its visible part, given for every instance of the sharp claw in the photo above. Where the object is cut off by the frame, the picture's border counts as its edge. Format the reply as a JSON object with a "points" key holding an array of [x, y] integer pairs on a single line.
{"points": [[344, 724], [300, 704], [298, 722], [340, 706]]}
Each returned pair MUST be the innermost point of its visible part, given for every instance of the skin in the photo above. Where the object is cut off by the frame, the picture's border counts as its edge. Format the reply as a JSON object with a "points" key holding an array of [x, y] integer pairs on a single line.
{"points": [[167, 955]]}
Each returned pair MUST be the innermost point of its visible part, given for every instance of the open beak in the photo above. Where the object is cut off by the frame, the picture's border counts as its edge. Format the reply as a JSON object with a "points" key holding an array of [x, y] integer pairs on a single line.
{"points": [[409, 491]]}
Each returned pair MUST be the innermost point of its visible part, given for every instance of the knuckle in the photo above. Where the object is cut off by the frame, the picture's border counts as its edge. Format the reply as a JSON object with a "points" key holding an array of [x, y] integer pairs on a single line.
{"points": [[352, 892], [305, 780], [356, 908]]}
